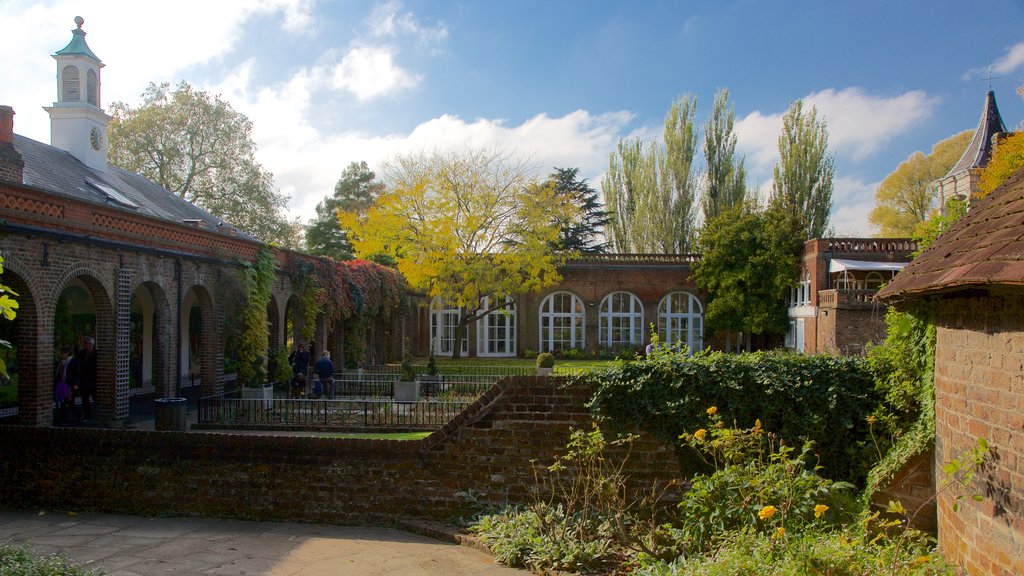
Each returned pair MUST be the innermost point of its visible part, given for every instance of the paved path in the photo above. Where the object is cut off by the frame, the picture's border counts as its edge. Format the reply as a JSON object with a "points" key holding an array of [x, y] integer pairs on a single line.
{"points": [[138, 546]]}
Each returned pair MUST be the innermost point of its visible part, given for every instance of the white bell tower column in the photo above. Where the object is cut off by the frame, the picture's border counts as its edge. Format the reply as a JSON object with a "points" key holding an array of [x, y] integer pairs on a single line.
{"points": [[77, 123]]}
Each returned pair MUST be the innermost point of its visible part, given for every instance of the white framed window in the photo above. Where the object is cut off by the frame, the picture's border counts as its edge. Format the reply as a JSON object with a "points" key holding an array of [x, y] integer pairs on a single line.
{"points": [[806, 290], [873, 281], [561, 322], [444, 323], [681, 320], [621, 320], [496, 332]]}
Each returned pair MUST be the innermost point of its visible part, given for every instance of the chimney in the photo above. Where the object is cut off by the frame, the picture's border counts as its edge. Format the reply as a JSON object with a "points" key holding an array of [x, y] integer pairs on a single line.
{"points": [[12, 166]]}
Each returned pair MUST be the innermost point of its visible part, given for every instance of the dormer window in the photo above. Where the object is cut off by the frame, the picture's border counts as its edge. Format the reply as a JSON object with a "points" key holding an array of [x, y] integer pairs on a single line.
{"points": [[71, 85], [91, 88]]}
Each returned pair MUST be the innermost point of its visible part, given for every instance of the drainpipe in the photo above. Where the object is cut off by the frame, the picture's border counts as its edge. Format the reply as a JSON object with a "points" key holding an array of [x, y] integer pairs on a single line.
{"points": [[177, 338]]}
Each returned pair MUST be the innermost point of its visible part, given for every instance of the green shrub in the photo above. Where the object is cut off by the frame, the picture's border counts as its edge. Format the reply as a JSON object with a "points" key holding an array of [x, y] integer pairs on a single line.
{"points": [[545, 360], [20, 561], [822, 398]]}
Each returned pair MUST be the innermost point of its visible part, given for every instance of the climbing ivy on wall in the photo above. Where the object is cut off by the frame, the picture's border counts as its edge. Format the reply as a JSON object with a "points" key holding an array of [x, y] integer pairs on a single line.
{"points": [[257, 279]]}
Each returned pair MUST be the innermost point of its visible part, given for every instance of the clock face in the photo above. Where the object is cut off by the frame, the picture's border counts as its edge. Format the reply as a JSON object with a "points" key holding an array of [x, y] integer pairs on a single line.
{"points": [[96, 138]]}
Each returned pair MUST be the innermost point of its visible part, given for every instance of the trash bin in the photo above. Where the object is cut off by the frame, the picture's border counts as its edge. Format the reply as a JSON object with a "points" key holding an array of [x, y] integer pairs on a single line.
{"points": [[170, 414]]}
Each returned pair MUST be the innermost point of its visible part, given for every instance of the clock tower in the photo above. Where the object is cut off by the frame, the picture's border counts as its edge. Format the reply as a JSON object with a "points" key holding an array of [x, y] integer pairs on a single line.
{"points": [[77, 123]]}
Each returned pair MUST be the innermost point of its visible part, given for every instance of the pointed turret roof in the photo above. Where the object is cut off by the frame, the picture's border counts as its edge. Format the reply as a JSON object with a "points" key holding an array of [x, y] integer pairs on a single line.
{"points": [[980, 150], [77, 46]]}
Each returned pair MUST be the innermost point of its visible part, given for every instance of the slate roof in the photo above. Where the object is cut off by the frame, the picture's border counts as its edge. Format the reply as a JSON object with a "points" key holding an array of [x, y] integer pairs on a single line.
{"points": [[985, 247], [980, 149], [57, 171]]}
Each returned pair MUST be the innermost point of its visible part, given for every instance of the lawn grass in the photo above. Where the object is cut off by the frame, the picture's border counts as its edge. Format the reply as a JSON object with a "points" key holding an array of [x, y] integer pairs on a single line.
{"points": [[561, 366]]}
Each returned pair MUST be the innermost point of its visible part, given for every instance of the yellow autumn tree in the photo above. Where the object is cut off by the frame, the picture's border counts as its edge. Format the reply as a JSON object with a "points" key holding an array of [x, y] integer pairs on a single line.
{"points": [[471, 227], [1006, 159], [906, 197]]}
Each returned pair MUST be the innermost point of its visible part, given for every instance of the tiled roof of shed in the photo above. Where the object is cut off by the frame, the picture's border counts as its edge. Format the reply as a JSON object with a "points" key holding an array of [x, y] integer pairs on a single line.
{"points": [[984, 247], [57, 171]]}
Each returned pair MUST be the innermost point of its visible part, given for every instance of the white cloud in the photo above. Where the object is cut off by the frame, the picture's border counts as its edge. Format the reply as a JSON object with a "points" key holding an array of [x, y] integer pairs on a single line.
{"points": [[852, 201], [388, 20], [1011, 60], [370, 71], [859, 124]]}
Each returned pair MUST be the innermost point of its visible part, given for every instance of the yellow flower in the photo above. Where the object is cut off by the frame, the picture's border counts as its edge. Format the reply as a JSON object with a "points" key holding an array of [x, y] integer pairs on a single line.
{"points": [[712, 410], [871, 419], [767, 512], [700, 434], [819, 510], [780, 532], [922, 560]]}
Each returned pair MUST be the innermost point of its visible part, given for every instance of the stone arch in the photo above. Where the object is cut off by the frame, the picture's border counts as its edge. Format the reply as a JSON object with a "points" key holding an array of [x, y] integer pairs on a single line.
{"points": [[111, 400], [293, 316], [30, 366], [202, 352], [151, 338]]}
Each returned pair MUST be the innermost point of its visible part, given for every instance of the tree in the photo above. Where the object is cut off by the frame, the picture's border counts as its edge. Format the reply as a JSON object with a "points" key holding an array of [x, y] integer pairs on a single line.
{"points": [[726, 177], [803, 176], [583, 233], [8, 311], [748, 260], [649, 189], [905, 198], [356, 190], [197, 146], [471, 228], [1007, 158]]}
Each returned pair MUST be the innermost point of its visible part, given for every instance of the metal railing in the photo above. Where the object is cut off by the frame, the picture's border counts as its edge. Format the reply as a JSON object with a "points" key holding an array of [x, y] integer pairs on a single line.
{"points": [[231, 410]]}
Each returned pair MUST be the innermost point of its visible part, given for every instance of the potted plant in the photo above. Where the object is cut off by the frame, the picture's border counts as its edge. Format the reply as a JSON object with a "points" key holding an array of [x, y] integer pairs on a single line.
{"points": [[430, 383], [545, 364], [406, 388]]}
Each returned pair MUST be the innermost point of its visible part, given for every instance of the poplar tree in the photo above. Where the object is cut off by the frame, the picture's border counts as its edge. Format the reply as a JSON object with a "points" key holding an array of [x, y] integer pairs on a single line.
{"points": [[649, 189], [803, 176], [726, 177]]}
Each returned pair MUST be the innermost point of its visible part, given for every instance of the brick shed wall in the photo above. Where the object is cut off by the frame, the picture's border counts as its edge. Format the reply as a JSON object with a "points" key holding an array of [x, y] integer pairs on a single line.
{"points": [[487, 450], [979, 384]]}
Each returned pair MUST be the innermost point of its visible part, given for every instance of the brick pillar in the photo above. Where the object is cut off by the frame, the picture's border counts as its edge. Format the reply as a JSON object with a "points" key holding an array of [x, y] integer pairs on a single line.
{"points": [[212, 351], [336, 345], [122, 341], [276, 325], [107, 343], [12, 166], [35, 349]]}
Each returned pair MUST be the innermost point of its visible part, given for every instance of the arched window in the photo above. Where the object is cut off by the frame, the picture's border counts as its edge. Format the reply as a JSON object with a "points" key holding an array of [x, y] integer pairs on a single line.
{"points": [[561, 322], [71, 84], [444, 323], [873, 281], [91, 92], [681, 319], [496, 332], [622, 320], [846, 281]]}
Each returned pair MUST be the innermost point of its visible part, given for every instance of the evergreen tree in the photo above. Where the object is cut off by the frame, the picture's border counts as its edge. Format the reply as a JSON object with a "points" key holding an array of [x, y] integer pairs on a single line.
{"points": [[355, 191], [726, 177], [803, 176], [582, 233]]}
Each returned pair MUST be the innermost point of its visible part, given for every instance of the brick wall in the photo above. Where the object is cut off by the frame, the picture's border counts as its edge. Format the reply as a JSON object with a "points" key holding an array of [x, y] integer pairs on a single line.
{"points": [[979, 392], [914, 487], [487, 450]]}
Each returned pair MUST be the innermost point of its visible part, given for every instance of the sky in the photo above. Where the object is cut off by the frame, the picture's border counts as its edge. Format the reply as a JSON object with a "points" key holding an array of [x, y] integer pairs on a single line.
{"points": [[559, 82]]}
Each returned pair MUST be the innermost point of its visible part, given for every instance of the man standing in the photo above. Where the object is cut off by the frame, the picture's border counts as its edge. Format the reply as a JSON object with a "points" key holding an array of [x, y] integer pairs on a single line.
{"points": [[86, 360], [325, 372]]}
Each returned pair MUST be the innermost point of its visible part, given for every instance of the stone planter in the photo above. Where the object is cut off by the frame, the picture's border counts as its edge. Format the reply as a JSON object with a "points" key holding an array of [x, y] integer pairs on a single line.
{"points": [[430, 385], [545, 371], [407, 391], [265, 395]]}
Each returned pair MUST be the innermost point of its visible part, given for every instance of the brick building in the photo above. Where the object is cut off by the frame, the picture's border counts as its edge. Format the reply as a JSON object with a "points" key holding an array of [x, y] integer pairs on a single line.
{"points": [[962, 179], [94, 250], [972, 277]]}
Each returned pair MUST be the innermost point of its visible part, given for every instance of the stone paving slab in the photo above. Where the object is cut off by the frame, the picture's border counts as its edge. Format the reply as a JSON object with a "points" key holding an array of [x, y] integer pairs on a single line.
{"points": [[138, 546]]}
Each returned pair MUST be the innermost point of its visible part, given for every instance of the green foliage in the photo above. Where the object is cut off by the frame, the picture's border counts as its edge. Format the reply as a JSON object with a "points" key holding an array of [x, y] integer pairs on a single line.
{"points": [[932, 228], [21, 561], [200, 148], [432, 364], [905, 198], [408, 372], [582, 232], [1006, 159], [257, 279], [822, 398], [802, 184], [545, 360], [355, 190], [748, 260], [8, 307], [649, 189], [278, 367], [726, 176]]}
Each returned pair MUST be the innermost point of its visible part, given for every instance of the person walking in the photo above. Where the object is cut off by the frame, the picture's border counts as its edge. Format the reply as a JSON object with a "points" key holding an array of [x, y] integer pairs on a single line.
{"points": [[63, 385], [86, 361], [299, 360], [325, 372]]}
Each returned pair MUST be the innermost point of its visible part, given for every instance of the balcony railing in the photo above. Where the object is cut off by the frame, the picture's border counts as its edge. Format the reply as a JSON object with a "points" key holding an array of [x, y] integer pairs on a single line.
{"points": [[834, 298]]}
